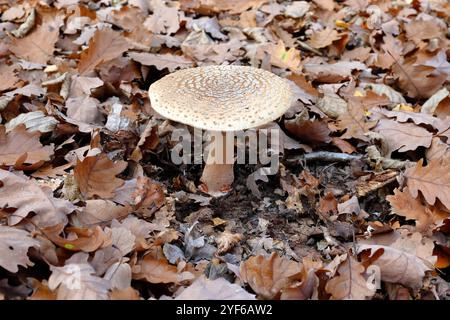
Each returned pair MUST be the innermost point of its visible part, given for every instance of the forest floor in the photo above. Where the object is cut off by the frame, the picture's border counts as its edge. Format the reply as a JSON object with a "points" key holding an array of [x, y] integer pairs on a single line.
{"points": [[92, 207]]}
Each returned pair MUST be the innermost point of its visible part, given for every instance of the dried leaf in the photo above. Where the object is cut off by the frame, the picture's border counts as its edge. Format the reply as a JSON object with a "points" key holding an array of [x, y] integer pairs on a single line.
{"points": [[218, 289], [104, 46], [14, 245], [161, 61], [22, 147], [33, 121], [323, 38], [267, 276], [433, 181], [405, 205], [38, 46], [402, 136], [96, 175], [27, 196], [350, 284]]}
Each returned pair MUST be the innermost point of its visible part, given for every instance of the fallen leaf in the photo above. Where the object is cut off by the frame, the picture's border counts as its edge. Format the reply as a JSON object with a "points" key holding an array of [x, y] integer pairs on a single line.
{"points": [[22, 147], [350, 284], [402, 136], [159, 271], [218, 289], [282, 58], [38, 46], [87, 240], [104, 46], [354, 122], [96, 175], [33, 121], [48, 210], [226, 240], [433, 181], [161, 61], [323, 38], [14, 245], [77, 281], [405, 205], [268, 275]]}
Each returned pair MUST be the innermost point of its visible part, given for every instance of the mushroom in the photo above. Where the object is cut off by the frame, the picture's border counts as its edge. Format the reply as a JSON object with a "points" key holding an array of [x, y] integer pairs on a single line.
{"points": [[221, 99]]}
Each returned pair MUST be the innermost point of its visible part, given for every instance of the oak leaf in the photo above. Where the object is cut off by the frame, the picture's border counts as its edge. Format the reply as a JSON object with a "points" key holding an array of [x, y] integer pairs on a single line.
{"points": [[8, 77], [38, 46], [96, 175], [104, 46], [398, 266], [402, 136], [308, 131], [268, 275], [218, 289], [27, 196], [282, 58], [350, 283], [87, 240], [417, 80], [158, 270], [22, 147], [323, 38], [77, 280], [405, 205], [14, 245], [433, 181], [161, 61], [354, 121]]}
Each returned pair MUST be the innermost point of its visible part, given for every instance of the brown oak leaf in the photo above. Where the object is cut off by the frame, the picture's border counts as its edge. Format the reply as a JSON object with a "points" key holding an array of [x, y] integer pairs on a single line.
{"points": [[350, 284], [433, 181], [20, 147], [104, 46], [96, 175], [268, 275]]}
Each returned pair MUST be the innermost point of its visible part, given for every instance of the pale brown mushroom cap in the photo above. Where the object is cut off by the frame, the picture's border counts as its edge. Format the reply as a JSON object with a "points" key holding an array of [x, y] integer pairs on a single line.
{"points": [[222, 98]]}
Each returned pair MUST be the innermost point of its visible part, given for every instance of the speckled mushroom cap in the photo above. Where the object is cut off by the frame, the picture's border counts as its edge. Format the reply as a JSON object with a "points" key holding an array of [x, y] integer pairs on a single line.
{"points": [[222, 98]]}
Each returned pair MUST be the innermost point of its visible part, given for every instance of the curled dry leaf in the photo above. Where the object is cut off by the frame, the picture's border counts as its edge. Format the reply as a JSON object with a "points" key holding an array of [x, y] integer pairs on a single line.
{"points": [[158, 270], [14, 245], [268, 275], [398, 266], [226, 240], [48, 210], [22, 147], [87, 240], [96, 175], [148, 195], [218, 289]]}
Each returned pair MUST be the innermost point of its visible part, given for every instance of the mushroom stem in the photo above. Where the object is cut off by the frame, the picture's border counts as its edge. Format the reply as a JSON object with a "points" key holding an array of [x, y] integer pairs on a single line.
{"points": [[218, 174]]}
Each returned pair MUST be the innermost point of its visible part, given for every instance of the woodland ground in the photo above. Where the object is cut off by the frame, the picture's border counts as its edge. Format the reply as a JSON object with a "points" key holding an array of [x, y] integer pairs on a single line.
{"points": [[91, 207]]}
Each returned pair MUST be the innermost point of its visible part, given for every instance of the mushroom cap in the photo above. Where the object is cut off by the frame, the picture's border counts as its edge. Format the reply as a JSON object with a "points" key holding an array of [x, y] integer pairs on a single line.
{"points": [[222, 98]]}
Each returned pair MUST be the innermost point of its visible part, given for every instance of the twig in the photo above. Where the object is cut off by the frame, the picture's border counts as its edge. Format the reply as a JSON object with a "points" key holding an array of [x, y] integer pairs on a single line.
{"points": [[330, 156]]}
